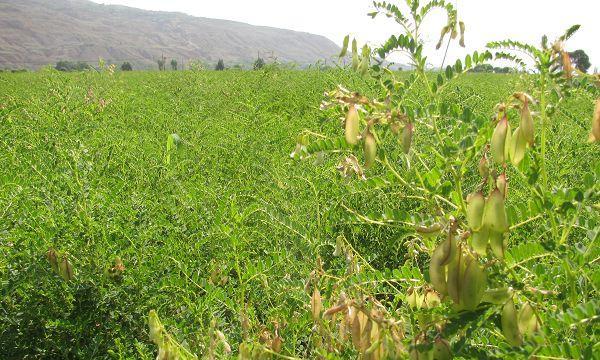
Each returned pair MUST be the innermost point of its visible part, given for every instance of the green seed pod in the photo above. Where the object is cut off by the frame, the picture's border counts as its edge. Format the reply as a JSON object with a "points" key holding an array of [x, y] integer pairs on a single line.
{"points": [[456, 269], [65, 269], [441, 350], [497, 296], [517, 147], [507, 143], [156, 328], [595, 133], [528, 322], [484, 169], [526, 123], [479, 240], [494, 216], [352, 126], [475, 208], [502, 184], [52, 257], [370, 148], [407, 135], [498, 244], [355, 61], [510, 327], [473, 285], [437, 273], [498, 140]]}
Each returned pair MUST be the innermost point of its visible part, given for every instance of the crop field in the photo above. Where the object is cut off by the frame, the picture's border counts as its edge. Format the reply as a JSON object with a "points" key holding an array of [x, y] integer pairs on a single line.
{"points": [[218, 226]]}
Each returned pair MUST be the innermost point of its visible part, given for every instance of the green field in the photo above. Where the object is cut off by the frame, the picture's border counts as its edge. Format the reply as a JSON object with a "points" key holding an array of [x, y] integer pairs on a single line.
{"points": [[224, 222]]}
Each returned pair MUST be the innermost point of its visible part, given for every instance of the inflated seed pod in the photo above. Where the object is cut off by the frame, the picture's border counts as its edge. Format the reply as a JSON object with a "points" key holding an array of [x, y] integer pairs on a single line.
{"points": [[316, 304], [502, 184], [510, 326], [517, 147], [497, 296], [494, 216], [528, 322], [455, 272], [52, 257], [437, 275], [483, 168], [407, 135], [352, 125], [355, 61], [595, 133], [475, 208], [479, 240], [498, 141], [474, 284], [498, 244], [441, 350], [370, 148], [526, 124], [65, 269]]}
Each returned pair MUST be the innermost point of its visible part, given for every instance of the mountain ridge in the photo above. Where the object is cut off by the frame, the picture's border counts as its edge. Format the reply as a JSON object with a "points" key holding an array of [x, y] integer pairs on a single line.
{"points": [[34, 33]]}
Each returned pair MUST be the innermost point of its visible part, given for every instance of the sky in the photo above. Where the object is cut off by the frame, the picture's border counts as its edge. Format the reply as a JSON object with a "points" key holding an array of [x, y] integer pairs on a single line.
{"points": [[486, 20]]}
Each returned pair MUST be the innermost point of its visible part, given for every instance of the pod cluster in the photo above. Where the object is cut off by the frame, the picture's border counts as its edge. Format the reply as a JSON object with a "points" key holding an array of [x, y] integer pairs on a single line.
{"points": [[517, 324], [456, 273], [60, 264], [487, 219], [506, 145]]}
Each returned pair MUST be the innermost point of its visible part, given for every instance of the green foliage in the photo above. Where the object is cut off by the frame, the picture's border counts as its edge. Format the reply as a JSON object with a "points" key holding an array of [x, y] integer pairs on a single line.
{"points": [[259, 63], [65, 65], [126, 66], [581, 60], [220, 65], [176, 192]]}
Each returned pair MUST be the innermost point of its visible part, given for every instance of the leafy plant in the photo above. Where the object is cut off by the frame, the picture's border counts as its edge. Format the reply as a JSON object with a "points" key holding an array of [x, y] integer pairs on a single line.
{"points": [[458, 175]]}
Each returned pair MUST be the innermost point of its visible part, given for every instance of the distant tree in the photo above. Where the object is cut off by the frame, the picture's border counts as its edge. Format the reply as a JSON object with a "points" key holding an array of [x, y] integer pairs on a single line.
{"points": [[173, 64], [483, 68], [220, 65], [259, 63], [161, 64], [581, 60], [65, 65], [126, 66]]}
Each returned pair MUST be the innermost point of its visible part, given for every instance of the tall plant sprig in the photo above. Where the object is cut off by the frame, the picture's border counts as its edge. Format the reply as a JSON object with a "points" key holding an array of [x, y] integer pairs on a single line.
{"points": [[470, 270]]}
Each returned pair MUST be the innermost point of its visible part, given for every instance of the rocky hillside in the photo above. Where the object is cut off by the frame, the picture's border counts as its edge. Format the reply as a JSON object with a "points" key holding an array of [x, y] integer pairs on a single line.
{"points": [[34, 33]]}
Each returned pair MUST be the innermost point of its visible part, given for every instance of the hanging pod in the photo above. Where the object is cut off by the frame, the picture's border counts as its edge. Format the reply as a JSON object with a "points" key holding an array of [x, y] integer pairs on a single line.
{"points": [[479, 240], [498, 141], [316, 304], [498, 244], [502, 184], [473, 284], [526, 124], [352, 125], [494, 216], [475, 208], [456, 270], [407, 135], [483, 168], [370, 148], [510, 327], [528, 322], [517, 147], [595, 134], [441, 350], [65, 269]]}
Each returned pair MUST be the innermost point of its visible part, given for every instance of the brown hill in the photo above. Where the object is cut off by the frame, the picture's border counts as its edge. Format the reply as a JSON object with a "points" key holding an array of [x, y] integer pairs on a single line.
{"points": [[34, 33]]}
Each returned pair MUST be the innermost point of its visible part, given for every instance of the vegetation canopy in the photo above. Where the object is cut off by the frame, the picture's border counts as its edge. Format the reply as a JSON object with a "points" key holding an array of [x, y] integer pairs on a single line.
{"points": [[420, 214]]}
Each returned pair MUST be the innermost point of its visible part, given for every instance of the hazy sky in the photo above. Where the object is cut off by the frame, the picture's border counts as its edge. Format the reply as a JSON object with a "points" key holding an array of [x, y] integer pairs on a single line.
{"points": [[486, 20]]}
